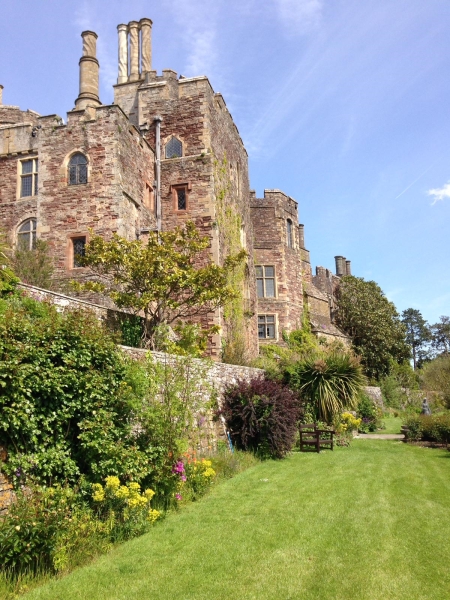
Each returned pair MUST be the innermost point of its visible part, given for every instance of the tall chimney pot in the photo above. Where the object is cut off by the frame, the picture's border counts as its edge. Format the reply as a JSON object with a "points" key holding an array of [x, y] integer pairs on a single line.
{"points": [[89, 68], [301, 235], [348, 267], [340, 265], [122, 30], [146, 45], [133, 28]]}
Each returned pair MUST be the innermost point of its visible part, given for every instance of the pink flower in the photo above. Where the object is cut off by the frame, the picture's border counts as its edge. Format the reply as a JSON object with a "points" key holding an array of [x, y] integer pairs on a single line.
{"points": [[183, 478], [178, 496]]}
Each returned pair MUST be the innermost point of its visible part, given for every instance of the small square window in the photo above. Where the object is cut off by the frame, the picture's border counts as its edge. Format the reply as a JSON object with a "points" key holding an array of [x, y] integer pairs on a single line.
{"points": [[180, 197], [79, 250], [266, 327]]}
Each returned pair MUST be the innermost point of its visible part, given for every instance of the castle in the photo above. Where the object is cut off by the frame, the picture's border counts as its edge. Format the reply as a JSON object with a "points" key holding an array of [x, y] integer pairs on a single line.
{"points": [[166, 151]]}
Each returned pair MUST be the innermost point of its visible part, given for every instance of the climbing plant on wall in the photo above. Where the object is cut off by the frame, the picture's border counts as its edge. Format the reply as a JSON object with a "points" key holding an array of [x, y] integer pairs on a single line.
{"points": [[229, 224]]}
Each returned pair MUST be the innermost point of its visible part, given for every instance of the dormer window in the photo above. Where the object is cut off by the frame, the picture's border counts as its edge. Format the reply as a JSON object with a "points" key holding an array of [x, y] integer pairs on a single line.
{"points": [[78, 169], [174, 148]]}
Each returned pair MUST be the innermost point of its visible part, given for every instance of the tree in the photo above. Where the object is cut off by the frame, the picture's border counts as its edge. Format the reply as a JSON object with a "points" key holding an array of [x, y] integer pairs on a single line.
{"points": [[373, 323], [35, 266], [160, 279], [440, 335], [417, 334]]}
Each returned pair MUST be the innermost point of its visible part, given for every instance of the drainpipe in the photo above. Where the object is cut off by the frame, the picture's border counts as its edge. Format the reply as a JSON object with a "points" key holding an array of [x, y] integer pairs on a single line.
{"points": [[158, 120]]}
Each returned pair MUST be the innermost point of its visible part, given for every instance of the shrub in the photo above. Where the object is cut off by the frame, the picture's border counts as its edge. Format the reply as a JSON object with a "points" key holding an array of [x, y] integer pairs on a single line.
{"points": [[369, 413], [48, 529], [66, 407], [413, 424], [330, 384], [432, 428], [261, 416]]}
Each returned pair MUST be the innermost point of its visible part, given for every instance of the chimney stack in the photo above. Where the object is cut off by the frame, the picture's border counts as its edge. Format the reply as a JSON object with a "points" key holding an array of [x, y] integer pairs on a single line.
{"points": [[301, 235], [146, 46], [348, 267], [137, 62], [340, 265], [123, 53], [89, 67]]}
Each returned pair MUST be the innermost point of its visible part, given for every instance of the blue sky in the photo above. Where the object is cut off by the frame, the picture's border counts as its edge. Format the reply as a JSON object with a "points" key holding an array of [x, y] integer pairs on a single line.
{"points": [[342, 104]]}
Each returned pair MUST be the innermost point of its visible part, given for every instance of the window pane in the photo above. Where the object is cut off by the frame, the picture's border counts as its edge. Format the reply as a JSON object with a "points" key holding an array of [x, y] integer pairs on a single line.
{"points": [[270, 319], [27, 166], [78, 159], [262, 319], [260, 288], [35, 185], [174, 148], [270, 271], [270, 288], [36, 165], [26, 226], [72, 175], [82, 173], [181, 194], [27, 186], [270, 331], [79, 246], [261, 331], [259, 271], [33, 240]]}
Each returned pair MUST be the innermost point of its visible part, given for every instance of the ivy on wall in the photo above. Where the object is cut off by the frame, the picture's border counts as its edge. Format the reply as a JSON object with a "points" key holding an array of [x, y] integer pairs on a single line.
{"points": [[229, 225]]}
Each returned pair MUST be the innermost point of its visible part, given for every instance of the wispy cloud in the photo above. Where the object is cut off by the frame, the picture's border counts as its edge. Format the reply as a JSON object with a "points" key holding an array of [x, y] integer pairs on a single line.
{"points": [[411, 184], [439, 194], [299, 16]]}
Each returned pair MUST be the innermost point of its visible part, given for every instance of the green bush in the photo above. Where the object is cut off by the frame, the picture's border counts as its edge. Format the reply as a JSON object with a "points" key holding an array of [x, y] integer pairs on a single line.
{"points": [[432, 428], [48, 529], [329, 384], [369, 413], [66, 406]]}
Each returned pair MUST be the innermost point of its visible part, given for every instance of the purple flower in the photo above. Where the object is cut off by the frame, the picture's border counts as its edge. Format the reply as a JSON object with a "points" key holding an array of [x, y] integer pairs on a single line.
{"points": [[178, 468], [178, 496], [183, 478]]}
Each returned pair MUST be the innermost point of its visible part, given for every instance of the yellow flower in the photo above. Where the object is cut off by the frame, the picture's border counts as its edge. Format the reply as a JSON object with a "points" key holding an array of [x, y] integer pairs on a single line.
{"points": [[149, 494], [209, 472], [98, 494], [112, 482], [122, 492], [134, 487], [153, 515]]}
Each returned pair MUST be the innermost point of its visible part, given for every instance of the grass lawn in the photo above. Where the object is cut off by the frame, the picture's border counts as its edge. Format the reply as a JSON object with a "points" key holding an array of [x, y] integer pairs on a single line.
{"points": [[393, 424], [370, 522]]}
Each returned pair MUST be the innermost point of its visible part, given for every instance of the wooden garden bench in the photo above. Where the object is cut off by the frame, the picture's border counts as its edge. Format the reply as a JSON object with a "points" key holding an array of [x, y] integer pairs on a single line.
{"points": [[312, 437]]}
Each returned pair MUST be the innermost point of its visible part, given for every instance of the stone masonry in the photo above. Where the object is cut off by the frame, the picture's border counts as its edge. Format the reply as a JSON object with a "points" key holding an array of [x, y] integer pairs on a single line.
{"points": [[165, 152]]}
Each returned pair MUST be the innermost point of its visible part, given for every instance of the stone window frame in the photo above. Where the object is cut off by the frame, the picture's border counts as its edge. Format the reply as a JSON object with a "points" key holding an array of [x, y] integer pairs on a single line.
{"points": [[34, 177], [70, 255], [290, 243], [18, 233], [263, 278], [267, 323], [64, 171], [149, 198], [174, 192], [167, 140]]}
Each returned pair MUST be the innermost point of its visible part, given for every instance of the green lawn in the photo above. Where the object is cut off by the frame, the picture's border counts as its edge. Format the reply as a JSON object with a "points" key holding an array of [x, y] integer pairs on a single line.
{"points": [[393, 424], [369, 522]]}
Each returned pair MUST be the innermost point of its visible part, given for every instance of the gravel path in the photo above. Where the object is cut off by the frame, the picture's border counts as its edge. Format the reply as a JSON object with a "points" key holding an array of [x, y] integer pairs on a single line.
{"points": [[382, 436]]}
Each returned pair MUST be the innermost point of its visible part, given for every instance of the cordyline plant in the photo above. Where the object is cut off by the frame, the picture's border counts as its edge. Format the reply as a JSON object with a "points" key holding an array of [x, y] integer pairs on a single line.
{"points": [[160, 280], [329, 384]]}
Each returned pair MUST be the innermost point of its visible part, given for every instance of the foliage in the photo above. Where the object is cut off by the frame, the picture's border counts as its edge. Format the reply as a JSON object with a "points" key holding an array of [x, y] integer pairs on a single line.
{"points": [[417, 334], [35, 266], [161, 279], [435, 376], [373, 324], [176, 390], [229, 225], [330, 383], [227, 464], [124, 508], [46, 529], [194, 477], [131, 331], [433, 428], [8, 279], [349, 422], [261, 416], [440, 335], [369, 413], [65, 403]]}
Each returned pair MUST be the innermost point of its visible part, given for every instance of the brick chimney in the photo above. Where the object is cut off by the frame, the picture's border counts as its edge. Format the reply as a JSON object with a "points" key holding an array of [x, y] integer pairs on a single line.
{"points": [[348, 267], [340, 265]]}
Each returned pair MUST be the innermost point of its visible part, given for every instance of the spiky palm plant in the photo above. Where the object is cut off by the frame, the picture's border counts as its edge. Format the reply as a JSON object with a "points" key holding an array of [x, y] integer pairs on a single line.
{"points": [[330, 383]]}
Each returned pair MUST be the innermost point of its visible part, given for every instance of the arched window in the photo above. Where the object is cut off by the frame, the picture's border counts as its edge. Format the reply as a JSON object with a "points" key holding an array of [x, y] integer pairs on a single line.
{"points": [[26, 235], [78, 169], [174, 148], [289, 234]]}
